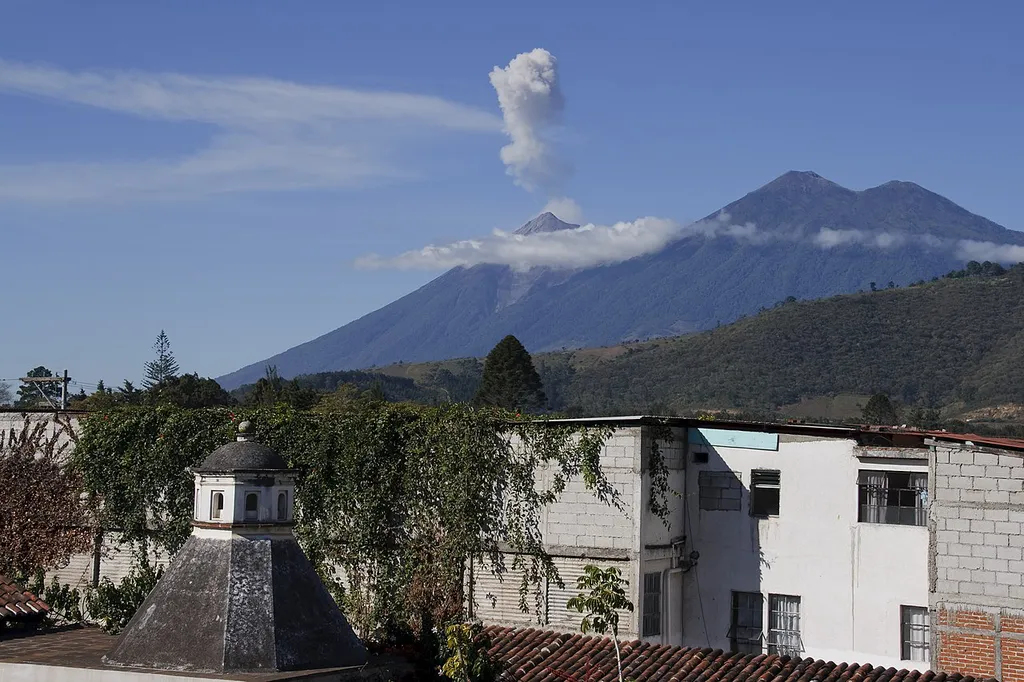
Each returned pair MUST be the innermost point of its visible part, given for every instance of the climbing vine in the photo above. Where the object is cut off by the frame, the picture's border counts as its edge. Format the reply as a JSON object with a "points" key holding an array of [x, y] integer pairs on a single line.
{"points": [[392, 499], [657, 469], [42, 519]]}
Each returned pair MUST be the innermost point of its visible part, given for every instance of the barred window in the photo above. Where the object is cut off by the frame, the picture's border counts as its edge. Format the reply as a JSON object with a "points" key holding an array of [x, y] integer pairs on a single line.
{"points": [[747, 622], [895, 497], [719, 490], [652, 604], [784, 625], [915, 634], [765, 485]]}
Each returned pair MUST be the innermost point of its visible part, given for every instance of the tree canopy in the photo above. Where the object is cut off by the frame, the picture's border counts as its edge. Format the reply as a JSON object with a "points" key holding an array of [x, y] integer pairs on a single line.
{"points": [[510, 381], [880, 410]]}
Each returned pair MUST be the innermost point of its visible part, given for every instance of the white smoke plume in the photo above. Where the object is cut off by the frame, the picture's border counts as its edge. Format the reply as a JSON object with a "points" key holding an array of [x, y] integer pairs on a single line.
{"points": [[583, 247], [531, 103], [565, 208]]}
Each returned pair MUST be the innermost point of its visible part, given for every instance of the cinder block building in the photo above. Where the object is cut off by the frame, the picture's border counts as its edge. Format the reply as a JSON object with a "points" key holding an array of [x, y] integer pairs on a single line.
{"points": [[898, 548], [976, 565]]}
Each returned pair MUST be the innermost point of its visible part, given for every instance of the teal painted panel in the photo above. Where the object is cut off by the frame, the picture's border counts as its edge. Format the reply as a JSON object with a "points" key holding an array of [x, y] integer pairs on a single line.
{"points": [[726, 438]]}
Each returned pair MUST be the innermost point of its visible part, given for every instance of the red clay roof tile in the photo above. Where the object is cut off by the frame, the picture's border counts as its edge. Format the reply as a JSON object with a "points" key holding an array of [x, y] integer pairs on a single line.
{"points": [[532, 655], [17, 603]]}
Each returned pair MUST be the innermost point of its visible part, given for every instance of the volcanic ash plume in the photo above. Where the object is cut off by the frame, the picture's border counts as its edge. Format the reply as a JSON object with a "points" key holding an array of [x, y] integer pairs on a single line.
{"points": [[531, 103]]}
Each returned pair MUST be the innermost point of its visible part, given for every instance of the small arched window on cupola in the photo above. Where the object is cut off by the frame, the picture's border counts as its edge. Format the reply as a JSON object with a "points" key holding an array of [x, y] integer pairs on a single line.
{"points": [[252, 506], [216, 504], [282, 506]]}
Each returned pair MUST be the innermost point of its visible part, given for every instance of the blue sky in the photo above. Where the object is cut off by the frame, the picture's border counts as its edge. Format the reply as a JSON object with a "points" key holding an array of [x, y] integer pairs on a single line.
{"points": [[215, 169]]}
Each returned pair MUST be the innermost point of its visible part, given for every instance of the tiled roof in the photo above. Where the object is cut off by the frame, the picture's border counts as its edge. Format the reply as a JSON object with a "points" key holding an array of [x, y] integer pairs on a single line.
{"points": [[17, 603], [529, 655]]}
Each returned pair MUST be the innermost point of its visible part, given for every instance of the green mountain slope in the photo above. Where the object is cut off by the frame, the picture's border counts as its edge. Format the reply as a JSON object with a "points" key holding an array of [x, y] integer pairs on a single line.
{"points": [[953, 343]]}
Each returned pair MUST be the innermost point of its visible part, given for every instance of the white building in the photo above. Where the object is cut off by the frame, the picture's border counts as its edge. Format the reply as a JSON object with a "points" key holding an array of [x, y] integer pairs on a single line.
{"points": [[781, 538]]}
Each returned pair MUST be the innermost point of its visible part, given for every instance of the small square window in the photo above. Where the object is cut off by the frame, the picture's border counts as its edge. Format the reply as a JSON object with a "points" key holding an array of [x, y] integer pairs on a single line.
{"points": [[700, 457], [764, 492], [915, 634]]}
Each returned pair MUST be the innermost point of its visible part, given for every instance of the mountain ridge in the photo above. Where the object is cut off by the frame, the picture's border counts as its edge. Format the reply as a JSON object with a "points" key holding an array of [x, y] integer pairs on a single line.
{"points": [[693, 283]]}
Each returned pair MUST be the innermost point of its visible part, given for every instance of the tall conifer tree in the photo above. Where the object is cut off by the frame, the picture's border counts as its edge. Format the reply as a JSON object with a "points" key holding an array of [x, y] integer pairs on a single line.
{"points": [[510, 380]]}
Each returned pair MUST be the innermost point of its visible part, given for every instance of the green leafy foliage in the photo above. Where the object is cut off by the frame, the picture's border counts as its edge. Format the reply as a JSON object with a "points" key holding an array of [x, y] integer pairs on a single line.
{"points": [[510, 380], [465, 654], [602, 596], [114, 605], [396, 496], [64, 601]]}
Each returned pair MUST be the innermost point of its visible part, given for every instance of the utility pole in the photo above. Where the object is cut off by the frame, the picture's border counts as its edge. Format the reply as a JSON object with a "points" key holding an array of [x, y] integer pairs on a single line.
{"points": [[35, 381]]}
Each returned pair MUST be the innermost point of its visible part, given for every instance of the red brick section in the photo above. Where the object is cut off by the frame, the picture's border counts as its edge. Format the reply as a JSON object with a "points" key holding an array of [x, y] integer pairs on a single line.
{"points": [[1013, 659], [1013, 624], [975, 620], [17, 603], [529, 655], [968, 653]]}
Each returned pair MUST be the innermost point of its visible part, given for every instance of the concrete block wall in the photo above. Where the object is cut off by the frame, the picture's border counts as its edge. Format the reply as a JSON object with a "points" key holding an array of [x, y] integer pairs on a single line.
{"points": [[976, 567], [581, 521]]}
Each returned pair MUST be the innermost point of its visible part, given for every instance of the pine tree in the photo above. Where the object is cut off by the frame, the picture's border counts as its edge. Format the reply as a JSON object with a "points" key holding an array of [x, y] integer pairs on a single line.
{"points": [[510, 380], [880, 411], [164, 367]]}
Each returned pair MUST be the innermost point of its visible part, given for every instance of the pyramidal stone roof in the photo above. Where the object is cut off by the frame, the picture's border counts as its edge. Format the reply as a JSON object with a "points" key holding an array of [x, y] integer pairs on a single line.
{"points": [[242, 605], [240, 596]]}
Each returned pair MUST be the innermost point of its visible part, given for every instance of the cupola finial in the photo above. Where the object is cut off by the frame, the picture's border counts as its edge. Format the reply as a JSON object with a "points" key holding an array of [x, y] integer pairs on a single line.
{"points": [[244, 429]]}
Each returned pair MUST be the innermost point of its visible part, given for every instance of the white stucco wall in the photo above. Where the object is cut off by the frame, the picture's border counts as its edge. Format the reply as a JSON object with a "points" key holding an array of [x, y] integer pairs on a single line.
{"points": [[851, 577]]}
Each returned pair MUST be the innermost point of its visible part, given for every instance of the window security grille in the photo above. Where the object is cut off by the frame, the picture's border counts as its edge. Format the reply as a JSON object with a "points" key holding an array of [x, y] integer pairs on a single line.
{"points": [[652, 605], [895, 497], [747, 623], [915, 634], [784, 625]]}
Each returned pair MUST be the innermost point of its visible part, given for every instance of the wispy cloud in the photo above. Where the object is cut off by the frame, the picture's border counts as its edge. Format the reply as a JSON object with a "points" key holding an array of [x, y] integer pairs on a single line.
{"points": [[267, 134], [969, 249], [596, 245], [583, 247]]}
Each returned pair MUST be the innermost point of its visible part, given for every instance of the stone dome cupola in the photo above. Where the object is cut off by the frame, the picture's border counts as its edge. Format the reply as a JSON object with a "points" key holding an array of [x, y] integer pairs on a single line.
{"points": [[244, 483]]}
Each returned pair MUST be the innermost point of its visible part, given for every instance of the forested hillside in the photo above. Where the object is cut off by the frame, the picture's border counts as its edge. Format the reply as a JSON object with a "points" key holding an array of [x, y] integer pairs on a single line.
{"points": [[955, 343]]}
